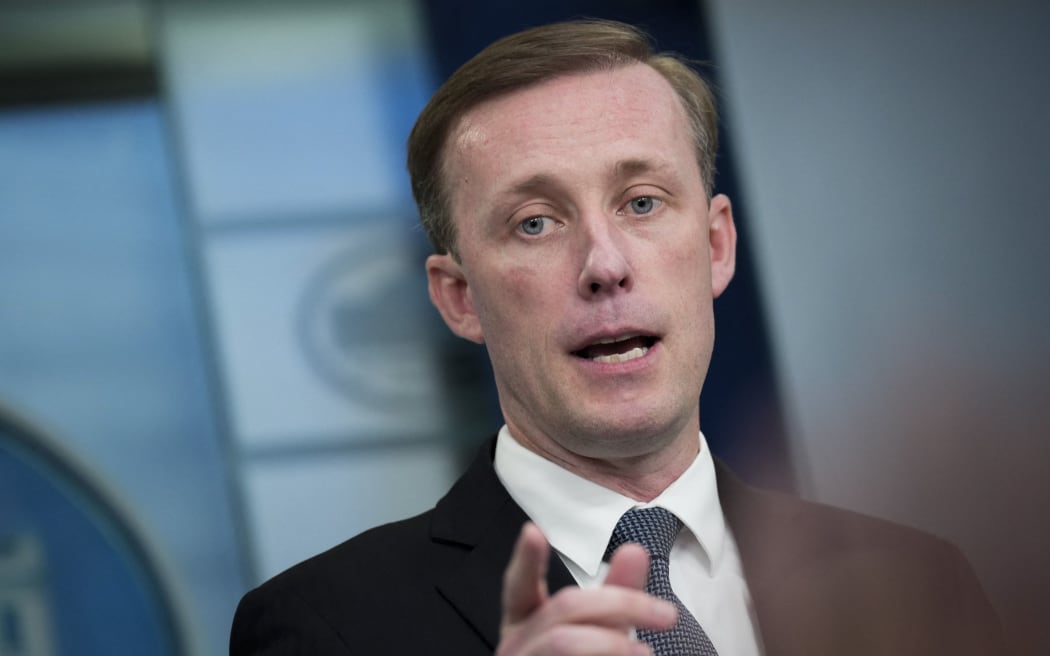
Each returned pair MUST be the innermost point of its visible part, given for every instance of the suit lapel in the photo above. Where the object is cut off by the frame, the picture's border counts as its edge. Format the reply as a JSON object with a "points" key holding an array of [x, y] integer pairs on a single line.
{"points": [[479, 515]]}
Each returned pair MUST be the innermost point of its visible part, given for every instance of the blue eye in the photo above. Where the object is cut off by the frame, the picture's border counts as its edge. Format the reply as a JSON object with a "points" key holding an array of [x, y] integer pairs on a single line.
{"points": [[534, 225], [643, 204]]}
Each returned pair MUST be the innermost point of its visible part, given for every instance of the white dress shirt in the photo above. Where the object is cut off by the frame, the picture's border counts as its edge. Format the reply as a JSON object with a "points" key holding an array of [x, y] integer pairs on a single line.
{"points": [[578, 516]]}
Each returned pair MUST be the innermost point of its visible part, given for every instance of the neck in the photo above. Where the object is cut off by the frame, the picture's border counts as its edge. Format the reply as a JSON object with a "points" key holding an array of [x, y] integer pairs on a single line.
{"points": [[641, 477]]}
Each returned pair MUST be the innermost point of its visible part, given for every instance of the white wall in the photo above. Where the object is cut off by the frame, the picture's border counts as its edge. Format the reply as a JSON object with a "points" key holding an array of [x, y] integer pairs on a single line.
{"points": [[893, 159]]}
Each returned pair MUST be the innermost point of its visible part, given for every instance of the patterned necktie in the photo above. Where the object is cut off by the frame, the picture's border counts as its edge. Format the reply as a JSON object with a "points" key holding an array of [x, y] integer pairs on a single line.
{"points": [[656, 530]]}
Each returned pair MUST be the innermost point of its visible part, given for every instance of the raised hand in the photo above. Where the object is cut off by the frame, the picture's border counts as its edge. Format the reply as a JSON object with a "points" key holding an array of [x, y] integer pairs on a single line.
{"points": [[577, 621]]}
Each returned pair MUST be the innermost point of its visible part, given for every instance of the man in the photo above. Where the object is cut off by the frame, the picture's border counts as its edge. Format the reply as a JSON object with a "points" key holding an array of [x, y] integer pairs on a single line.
{"points": [[564, 176]]}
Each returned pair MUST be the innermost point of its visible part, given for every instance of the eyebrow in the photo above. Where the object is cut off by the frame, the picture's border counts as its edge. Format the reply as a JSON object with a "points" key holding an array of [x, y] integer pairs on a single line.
{"points": [[533, 184], [625, 168], [631, 167]]}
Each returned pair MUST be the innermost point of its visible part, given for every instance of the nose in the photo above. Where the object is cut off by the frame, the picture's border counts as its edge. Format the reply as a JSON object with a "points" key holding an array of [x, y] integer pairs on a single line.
{"points": [[606, 269]]}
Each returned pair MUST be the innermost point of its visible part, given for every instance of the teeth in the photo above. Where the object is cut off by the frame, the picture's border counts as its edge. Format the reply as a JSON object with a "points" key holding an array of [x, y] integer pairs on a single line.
{"points": [[611, 340], [622, 357]]}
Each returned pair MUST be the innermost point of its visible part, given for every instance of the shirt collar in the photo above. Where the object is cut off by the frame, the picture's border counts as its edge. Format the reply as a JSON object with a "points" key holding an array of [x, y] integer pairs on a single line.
{"points": [[578, 516]]}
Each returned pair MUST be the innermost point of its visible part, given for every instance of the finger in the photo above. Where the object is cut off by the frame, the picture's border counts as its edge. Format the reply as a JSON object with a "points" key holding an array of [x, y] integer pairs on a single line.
{"points": [[584, 640], [607, 606], [525, 579], [629, 567]]}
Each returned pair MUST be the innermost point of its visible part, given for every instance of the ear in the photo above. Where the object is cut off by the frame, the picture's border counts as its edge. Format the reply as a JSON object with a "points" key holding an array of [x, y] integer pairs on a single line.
{"points": [[450, 294], [722, 238]]}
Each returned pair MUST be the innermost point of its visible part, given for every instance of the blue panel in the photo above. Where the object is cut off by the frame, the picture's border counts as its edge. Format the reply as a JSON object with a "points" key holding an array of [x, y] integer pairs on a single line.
{"points": [[98, 336], [71, 582], [292, 110]]}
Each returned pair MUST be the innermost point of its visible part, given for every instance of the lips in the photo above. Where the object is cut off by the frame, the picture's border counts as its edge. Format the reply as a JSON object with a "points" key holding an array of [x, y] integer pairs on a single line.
{"points": [[616, 349]]}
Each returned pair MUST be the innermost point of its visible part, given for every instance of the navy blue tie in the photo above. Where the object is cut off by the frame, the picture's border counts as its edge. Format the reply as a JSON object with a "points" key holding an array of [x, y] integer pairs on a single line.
{"points": [[656, 530]]}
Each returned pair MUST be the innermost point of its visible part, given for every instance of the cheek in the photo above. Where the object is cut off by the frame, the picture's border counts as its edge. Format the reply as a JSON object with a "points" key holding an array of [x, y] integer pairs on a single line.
{"points": [[526, 289], [687, 280], [688, 263], [513, 299]]}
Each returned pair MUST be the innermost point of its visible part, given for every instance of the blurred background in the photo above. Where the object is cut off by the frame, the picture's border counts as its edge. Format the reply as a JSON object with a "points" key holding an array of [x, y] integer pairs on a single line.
{"points": [[217, 356]]}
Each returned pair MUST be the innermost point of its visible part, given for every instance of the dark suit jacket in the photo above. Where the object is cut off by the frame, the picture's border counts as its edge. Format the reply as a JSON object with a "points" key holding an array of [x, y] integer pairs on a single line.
{"points": [[823, 581]]}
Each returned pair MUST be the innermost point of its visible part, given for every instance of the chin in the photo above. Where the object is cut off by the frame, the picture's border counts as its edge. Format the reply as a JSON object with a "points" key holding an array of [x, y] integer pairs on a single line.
{"points": [[625, 437]]}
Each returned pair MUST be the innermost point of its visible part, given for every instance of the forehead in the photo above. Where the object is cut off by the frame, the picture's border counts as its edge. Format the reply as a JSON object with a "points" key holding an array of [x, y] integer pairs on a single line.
{"points": [[568, 123]]}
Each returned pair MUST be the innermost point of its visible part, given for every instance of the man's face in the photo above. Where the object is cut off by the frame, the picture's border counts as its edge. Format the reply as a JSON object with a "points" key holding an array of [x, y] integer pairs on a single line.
{"points": [[588, 260]]}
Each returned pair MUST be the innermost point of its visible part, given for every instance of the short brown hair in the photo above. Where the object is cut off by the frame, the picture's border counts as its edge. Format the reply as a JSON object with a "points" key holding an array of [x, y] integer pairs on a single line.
{"points": [[527, 58]]}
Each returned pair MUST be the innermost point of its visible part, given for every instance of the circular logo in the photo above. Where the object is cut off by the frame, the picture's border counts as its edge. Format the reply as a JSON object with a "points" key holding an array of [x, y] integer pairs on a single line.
{"points": [[363, 324]]}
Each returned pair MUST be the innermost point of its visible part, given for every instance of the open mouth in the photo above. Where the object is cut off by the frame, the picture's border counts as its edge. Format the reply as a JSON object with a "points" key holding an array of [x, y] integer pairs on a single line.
{"points": [[617, 349]]}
